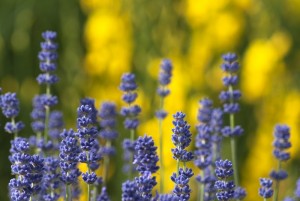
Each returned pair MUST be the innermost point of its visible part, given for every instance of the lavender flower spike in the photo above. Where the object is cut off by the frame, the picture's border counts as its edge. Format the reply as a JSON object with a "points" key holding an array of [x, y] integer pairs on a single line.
{"points": [[145, 156], [48, 56], [130, 112], [225, 188], [69, 151], [230, 105], [87, 133], [181, 138], [164, 80], [10, 109], [28, 170], [266, 188], [281, 143]]}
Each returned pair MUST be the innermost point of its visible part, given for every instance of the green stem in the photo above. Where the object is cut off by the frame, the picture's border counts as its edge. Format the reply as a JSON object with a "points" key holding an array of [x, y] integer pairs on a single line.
{"points": [[89, 192], [233, 144], [67, 198], [201, 188], [276, 189], [13, 122], [265, 199], [89, 171], [106, 164], [47, 113], [132, 132], [161, 155], [160, 130]]}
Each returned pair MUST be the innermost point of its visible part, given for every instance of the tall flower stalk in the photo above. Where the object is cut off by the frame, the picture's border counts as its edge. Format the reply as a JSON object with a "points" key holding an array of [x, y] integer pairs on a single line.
{"points": [[203, 143], [230, 98], [164, 80], [48, 56], [28, 170], [281, 143], [108, 114], [130, 112], [69, 151], [181, 138], [224, 185], [87, 133], [145, 158]]}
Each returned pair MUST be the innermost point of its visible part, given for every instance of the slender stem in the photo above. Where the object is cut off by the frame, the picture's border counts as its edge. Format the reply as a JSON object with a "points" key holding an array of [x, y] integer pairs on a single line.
{"points": [[233, 144], [89, 171], [161, 155], [276, 189], [14, 123], [106, 164], [160, 130], [89, 192], [67, 198], [132, 133], [201, 186], [265, 199], [47, 108]]}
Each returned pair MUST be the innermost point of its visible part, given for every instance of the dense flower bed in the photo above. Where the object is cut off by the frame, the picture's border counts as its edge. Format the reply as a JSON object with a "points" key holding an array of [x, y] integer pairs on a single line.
{"points": [[45, 166]]}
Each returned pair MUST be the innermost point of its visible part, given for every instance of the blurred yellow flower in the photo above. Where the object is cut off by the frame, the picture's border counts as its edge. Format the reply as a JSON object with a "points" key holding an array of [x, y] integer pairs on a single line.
{"points": [[262, 60]]}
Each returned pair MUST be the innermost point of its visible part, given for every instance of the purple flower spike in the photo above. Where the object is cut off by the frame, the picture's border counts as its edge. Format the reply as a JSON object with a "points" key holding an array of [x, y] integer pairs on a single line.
{"points": [[48, 56], [266, 188], [145, 155]]}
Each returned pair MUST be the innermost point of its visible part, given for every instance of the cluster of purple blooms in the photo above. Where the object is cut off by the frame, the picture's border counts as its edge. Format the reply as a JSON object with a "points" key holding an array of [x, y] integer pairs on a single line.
{"points": [[45, 166]]}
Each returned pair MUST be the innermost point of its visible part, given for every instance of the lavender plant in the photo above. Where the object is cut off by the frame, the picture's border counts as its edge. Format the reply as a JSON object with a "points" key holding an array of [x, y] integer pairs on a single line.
{"points": [[52, 173], [229, 98], [181, 138], [69, 154], [48, 56], [224, 187], [203, 143], [108, 114], [164, 80], [130, 112], [281, 143], [10, 109], [87, 135]]}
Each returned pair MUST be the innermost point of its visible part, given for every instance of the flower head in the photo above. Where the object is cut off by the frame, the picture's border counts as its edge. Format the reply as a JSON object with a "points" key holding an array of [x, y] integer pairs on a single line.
{"points": [[181, 138], [104, 195], [266, 187], [182, 189], [164, 78], [145, 183], [69, 151], [9, 104], [48, 56], [223, 172], [145, 156], [129, 191], [27, 168], [281, 142]]}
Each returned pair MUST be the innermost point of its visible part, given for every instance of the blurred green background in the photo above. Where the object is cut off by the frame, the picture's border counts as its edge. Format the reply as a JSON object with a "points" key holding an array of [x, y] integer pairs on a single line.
{"points": [[99, 40]]}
